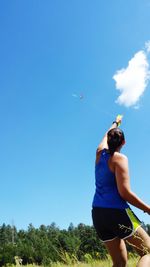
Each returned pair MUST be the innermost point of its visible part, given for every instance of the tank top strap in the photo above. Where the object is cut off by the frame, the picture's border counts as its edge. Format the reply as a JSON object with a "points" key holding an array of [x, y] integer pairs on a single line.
{"points": [[105, 154]]}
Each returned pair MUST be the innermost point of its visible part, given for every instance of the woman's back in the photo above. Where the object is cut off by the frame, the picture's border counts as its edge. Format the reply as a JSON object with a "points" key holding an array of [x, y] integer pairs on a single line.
{"points": [[106, 194]]}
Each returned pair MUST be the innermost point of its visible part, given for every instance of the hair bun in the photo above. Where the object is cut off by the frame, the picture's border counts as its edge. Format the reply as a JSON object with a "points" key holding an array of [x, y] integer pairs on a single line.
{"points": [[115, 138]]}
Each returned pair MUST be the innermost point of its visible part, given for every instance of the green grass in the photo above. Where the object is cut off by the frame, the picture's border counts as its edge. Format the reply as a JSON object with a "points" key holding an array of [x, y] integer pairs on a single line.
{"points": [[106, 263], [102, 263]]}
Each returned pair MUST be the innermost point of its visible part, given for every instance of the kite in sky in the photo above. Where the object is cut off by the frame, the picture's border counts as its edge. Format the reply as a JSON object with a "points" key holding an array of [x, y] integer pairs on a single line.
{"points": [[81, 96]]}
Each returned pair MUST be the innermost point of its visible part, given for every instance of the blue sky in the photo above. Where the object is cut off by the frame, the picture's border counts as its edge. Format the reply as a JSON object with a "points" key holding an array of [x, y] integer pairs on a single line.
{"points": [[50, 50]]}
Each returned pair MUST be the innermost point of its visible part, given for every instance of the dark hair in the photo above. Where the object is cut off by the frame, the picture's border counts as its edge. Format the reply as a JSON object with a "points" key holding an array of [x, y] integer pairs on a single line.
{"points": [[115, 138]]}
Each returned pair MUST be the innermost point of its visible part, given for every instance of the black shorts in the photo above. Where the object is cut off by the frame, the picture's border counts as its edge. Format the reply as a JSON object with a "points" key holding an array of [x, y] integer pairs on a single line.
{"points": [[111, 223]]}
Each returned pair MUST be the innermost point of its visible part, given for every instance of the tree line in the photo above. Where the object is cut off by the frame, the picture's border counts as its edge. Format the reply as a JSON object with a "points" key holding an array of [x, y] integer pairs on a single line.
{"points": [[48, 244]]}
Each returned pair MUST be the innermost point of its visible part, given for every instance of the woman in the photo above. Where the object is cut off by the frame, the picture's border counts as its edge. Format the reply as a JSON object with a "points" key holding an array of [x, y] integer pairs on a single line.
{"points": [[113, 219]]}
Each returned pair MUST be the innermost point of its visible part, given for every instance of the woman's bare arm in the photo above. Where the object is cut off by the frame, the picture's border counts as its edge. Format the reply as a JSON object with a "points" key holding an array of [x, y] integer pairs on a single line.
{"points": [[123, 183], [103, 143]]}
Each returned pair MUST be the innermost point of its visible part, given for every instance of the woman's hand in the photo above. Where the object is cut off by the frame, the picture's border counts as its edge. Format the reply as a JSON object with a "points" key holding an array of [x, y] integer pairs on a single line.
{"points": [[119, 119], [147, 211]]}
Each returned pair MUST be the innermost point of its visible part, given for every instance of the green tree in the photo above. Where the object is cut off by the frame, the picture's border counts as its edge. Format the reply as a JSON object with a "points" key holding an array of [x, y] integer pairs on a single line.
{"points": [[90, 243]]}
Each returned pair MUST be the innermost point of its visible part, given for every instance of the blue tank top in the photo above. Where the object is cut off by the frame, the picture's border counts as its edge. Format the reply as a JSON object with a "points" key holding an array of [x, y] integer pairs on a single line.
{"points": [[106, 194]]}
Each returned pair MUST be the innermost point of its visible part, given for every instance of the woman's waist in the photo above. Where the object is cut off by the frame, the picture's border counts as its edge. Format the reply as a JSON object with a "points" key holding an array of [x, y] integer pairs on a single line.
{"points": [[109, 199]]}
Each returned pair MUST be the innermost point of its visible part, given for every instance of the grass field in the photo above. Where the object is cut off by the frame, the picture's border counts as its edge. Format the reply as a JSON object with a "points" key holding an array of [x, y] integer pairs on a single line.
{"points": [[106, 263]]}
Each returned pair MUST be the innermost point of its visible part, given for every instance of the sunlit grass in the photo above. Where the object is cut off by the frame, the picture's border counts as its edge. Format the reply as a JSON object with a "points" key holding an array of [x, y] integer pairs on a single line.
{"points": [[106, 263], [101, 263]]}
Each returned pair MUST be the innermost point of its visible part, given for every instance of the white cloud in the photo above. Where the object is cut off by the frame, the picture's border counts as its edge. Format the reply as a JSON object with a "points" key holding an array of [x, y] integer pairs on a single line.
{"points": [[132, 81], [147, 46]]}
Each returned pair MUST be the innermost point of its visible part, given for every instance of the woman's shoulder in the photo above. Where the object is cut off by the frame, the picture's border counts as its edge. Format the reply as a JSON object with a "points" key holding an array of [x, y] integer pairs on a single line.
{"points": [[119, 156], [120, 161]]}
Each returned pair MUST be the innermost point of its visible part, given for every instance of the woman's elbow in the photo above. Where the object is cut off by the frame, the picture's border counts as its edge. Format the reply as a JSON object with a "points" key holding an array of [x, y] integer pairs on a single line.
{"points": [[125, 194]]}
